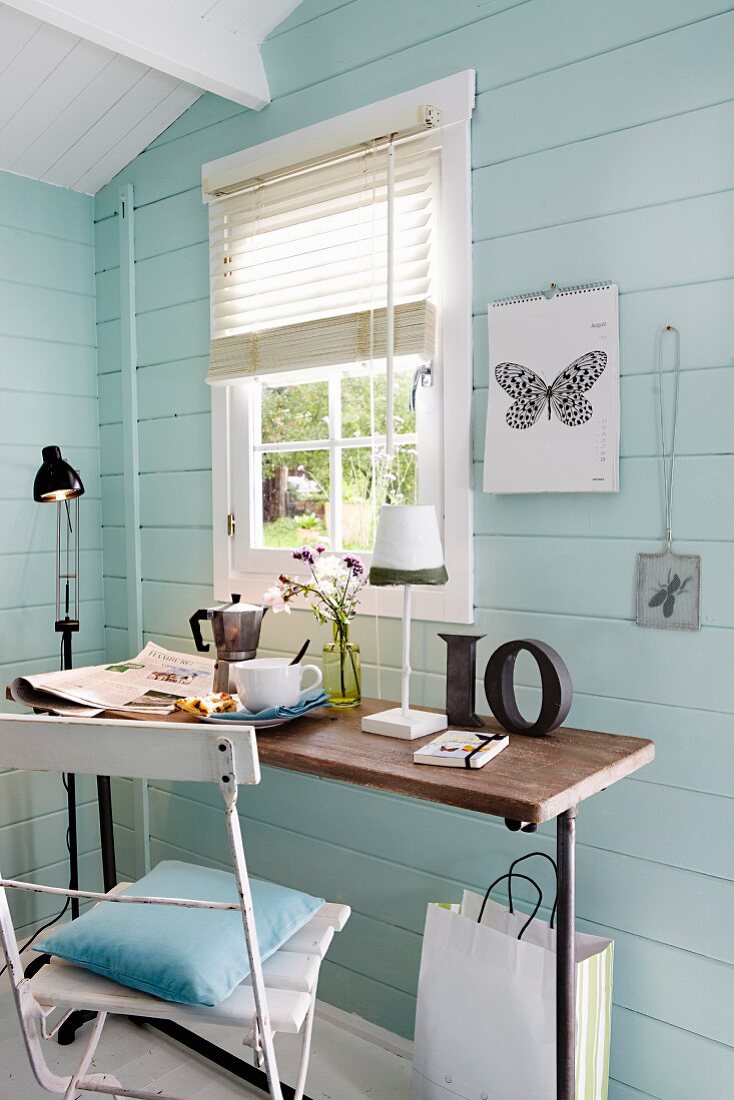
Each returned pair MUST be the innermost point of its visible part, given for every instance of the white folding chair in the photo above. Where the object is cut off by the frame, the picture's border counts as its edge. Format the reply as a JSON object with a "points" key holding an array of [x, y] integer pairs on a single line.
{"points": [[277, 996]]}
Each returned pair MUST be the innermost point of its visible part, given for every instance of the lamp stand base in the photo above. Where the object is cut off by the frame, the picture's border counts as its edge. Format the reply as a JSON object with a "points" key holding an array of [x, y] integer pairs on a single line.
{"points": [[393, 723]]}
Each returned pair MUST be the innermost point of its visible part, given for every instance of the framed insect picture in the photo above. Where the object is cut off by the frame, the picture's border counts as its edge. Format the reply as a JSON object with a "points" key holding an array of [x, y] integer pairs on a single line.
{"points": [[668, 583], [553, 408], [668, 591]]}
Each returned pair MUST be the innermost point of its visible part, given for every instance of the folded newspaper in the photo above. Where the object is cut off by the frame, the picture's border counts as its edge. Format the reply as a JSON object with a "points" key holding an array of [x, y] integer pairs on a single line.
{"points": [[150, 683]]}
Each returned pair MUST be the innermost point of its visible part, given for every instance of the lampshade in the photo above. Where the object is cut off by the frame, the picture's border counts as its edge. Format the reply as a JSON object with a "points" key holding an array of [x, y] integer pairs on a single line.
{"points": [[56, 479], [408, 546]]}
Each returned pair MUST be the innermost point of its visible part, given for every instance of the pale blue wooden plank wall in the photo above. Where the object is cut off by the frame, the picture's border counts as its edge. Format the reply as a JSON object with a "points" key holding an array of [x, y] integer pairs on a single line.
{"points": [[602, 148], [48, 394]]}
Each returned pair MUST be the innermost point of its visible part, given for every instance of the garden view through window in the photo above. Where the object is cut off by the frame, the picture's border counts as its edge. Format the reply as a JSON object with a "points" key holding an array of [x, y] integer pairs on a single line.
{"points": [[320, 448]]}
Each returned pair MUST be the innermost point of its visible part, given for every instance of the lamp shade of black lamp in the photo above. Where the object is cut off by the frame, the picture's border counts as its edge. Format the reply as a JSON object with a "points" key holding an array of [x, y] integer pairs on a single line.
{"points": [[59, 483], [56, 480]]}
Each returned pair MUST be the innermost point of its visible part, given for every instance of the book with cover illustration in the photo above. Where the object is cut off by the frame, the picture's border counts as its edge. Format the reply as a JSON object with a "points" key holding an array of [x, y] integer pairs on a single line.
{"points": [[461, 749]]}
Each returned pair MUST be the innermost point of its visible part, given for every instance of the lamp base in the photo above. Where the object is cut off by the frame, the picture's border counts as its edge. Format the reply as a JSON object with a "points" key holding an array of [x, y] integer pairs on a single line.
{"points": [[393, 723]]}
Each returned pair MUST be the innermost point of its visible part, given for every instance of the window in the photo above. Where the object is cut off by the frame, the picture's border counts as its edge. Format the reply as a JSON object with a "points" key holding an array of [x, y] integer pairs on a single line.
{"points": [[319, 456], [340, 362]]}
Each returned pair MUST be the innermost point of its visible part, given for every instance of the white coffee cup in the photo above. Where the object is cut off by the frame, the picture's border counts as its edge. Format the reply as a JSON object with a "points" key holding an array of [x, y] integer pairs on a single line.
{"points": [[272, 682]]}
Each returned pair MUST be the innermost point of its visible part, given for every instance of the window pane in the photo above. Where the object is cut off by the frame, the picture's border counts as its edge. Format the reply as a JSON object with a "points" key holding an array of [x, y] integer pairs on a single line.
{"points": [[368, 483], [299, 412], [360, 390], [295, 496]]}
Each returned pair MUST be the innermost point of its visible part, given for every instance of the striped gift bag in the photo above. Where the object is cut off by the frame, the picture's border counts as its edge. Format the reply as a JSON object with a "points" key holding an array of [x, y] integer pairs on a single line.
{"points": [[593, 1016], [485, 1024]]}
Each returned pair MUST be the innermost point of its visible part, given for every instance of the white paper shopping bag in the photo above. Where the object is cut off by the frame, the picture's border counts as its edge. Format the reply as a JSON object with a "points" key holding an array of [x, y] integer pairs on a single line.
{"points": [[485, 1026]]}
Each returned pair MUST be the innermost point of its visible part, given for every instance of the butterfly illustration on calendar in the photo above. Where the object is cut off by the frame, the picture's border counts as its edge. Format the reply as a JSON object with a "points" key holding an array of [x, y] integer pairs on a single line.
{"points": [[531, 394]]}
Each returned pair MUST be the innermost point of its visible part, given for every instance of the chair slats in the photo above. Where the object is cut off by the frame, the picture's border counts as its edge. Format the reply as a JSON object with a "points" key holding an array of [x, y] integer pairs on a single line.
{"points": [[138, 750], [333, 914], [311, 941], [63, 985], [316, 936], [289, 970]]}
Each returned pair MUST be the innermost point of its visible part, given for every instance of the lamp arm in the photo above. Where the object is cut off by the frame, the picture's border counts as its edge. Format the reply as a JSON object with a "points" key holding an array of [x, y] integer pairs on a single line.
{"points": [[405, 695]]}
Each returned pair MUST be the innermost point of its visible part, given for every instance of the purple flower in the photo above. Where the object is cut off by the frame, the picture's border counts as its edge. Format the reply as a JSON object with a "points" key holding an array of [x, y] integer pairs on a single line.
{"points": [[305, 554], [320, 549], [354, 564]]}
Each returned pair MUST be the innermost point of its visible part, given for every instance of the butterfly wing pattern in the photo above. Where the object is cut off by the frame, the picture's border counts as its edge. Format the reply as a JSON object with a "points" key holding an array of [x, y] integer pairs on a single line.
{"points": [[529, 391], [564, 396], [569, 405]]}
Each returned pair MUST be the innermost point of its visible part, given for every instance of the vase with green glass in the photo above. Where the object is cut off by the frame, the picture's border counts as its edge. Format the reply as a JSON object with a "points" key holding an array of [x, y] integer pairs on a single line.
{"points": [[332, 592]]}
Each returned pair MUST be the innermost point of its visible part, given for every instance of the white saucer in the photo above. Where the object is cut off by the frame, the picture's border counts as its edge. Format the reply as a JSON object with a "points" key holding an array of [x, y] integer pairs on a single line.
{"points": [[258, 723]]}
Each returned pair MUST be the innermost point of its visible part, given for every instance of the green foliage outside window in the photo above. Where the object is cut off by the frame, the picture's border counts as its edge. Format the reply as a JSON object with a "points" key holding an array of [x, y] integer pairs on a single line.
{"points": [[296, 483]]}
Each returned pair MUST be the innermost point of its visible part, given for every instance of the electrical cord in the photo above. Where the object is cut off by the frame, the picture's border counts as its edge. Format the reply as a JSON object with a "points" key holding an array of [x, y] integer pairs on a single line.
{"points": [[38, 931], [67, 903]]}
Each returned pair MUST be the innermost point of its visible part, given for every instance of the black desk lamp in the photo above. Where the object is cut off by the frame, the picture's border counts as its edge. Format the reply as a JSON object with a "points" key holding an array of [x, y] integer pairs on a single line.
{"points": [[58, 483]]}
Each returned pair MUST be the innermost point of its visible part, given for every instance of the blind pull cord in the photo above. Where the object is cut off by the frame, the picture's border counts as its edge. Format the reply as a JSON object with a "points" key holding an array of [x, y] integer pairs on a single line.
{"points": [[390, 319]]}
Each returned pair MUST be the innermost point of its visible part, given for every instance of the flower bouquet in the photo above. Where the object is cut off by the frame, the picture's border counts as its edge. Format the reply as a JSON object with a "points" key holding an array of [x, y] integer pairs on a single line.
{"points": [[332, 592]]}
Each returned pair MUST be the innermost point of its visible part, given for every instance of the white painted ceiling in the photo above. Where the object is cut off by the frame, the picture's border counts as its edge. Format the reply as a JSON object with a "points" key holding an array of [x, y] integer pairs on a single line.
{"points": [[74, 113]]}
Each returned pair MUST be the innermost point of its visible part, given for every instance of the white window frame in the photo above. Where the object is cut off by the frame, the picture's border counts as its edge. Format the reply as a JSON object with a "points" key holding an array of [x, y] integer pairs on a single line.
{"points": [[231, 450], [245, 403]]}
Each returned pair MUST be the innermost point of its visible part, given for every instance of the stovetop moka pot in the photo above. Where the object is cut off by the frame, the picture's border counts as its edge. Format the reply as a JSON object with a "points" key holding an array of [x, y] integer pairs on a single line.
{"points": [[236, 629]]}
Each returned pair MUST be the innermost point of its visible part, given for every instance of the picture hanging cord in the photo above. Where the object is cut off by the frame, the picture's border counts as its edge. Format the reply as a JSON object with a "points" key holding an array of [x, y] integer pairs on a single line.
{"points": [[668, 460], [668, 584], [553, 291]]}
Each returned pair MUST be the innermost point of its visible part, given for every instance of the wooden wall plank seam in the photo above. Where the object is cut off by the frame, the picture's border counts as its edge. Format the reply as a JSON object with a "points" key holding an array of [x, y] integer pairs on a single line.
{"points": [[661, 59], [129, 420], [600, 141], [356, 38], [49, 391], [391, 938]]}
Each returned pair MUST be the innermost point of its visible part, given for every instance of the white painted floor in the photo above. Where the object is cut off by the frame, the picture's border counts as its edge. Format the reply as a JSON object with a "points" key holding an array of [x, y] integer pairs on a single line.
{"points": [[344, 1065]]}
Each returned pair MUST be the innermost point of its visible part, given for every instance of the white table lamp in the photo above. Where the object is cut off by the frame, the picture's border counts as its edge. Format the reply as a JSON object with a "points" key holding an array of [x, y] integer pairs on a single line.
{"points": [[407, 551]]}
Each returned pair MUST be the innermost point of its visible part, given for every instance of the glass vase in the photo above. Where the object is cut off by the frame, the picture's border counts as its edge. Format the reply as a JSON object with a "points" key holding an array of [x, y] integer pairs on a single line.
{"points": [[342, 669]]}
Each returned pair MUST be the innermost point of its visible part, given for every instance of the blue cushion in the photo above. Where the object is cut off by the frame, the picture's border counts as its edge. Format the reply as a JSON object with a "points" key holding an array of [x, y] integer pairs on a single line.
{"points": [[193, 956]]}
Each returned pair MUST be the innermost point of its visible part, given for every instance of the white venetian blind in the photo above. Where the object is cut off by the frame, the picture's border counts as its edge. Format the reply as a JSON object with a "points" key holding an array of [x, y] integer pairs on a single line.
{"points": [[299, 263]]}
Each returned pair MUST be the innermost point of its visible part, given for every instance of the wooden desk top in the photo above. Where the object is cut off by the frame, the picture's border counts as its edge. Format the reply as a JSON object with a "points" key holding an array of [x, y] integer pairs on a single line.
{"points": [[534, 779]]}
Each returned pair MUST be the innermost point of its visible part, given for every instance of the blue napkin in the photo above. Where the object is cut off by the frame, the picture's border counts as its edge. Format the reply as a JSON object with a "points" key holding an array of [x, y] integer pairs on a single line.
{"points": [[310, 700]]}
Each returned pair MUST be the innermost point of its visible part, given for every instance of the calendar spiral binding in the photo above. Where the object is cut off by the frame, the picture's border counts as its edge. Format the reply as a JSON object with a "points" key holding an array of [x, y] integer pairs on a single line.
{"points": [[553, 292]]}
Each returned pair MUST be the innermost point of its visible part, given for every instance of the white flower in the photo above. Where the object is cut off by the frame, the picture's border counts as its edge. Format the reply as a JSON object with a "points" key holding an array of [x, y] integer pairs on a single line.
{"points": [[330, 571], [275, 600]]}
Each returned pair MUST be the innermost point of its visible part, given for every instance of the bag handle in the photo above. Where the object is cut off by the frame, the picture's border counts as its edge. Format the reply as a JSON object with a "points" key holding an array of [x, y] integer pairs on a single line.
{"points": [[508, 875], [554, 865]]}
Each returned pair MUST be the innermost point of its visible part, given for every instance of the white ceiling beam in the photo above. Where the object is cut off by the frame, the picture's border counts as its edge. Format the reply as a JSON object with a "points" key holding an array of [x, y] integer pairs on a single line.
{"points": [[154, 33], [265, 18]]}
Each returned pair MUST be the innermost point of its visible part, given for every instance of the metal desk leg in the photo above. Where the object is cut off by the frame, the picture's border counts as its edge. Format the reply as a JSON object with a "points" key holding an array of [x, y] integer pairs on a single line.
{"points": [[106, 832], [73, 844], [565, 957]]}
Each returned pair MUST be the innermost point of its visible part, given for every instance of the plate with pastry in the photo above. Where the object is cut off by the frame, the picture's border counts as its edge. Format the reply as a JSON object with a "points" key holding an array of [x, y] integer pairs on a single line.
{"points": [[204, 706], [272, 716]]}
